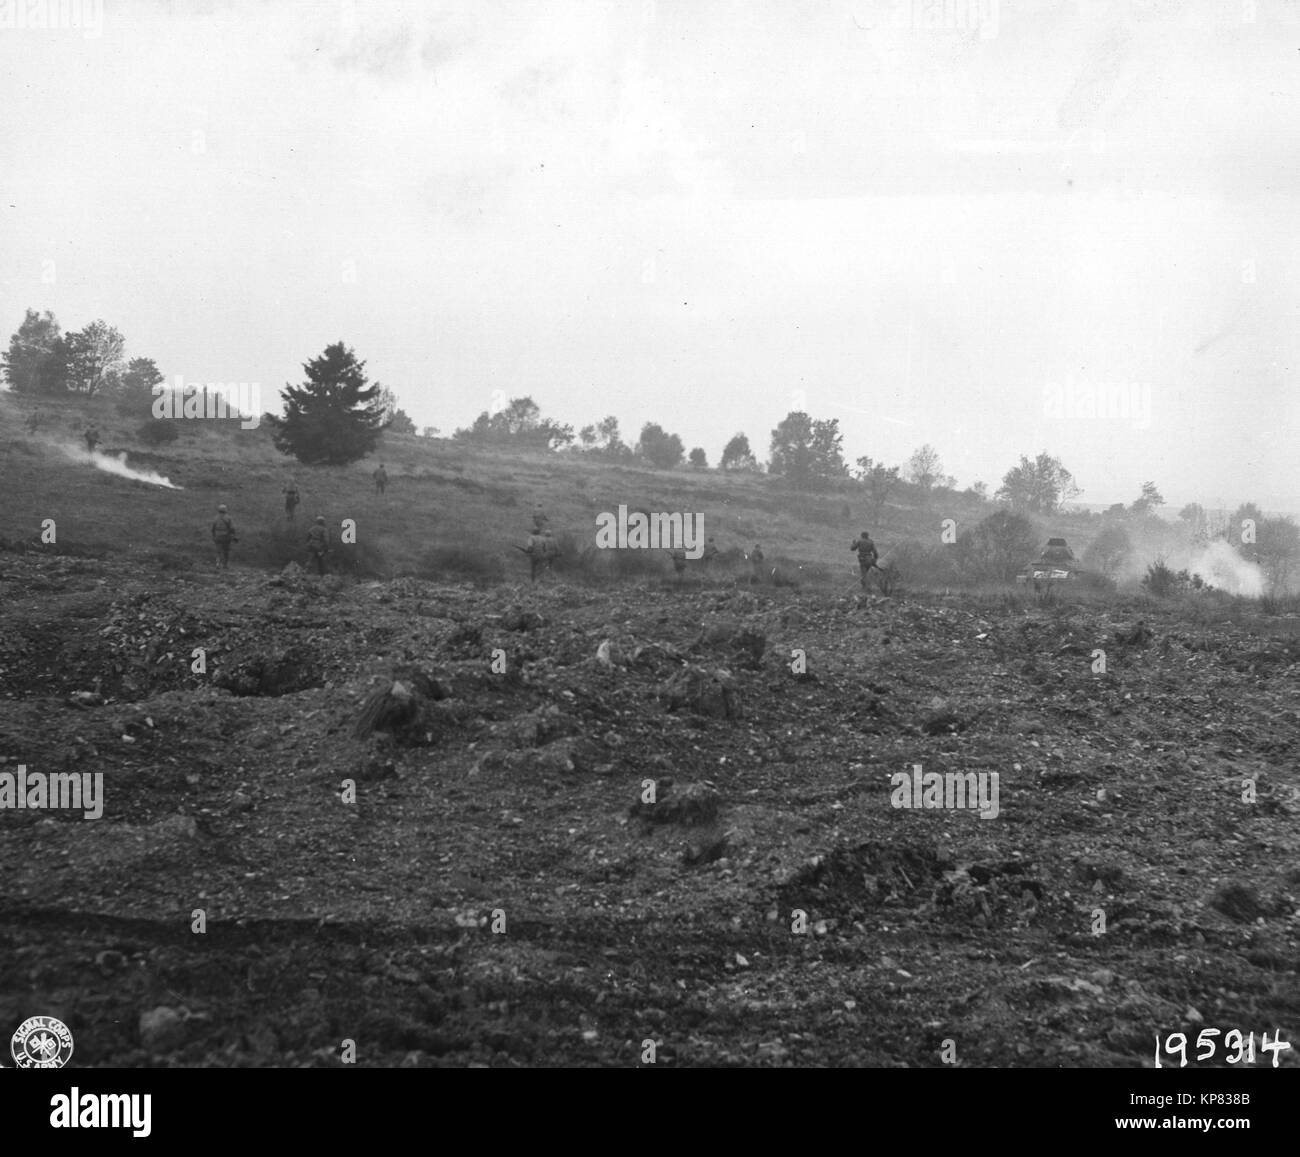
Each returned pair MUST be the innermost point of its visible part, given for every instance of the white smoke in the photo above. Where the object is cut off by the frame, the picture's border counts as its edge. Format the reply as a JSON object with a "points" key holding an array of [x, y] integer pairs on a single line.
{"points": [[1221, 566], [115, 464]]}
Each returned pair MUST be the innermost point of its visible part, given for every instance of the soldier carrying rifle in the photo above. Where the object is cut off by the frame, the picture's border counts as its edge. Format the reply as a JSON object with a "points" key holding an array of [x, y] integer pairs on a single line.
{"points": [[867, 555]]}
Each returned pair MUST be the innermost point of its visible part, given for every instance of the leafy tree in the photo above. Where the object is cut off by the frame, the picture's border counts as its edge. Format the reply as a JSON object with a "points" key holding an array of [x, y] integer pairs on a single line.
{"points": [[1247, 510], [736, 455], [519, 423], [996, 547], [1197, 520], [924, 468], [979, 490], [335, 416], [429, 432], [1106, 553], [1116, 510], [395, 418], [94, 353], [1147, 502], [1041, 486], [36, 360], [607, 429], [387, 402], [603, 439], [138, 379], [1277, 548], [400, 423], [807, 451], [879, 480], [698, 459], [658, 447]]}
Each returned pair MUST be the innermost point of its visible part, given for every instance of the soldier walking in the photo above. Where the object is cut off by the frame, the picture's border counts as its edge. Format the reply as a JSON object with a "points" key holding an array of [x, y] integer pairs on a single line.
{"points": [[92, 439], [540, 521], [678, 555], [710, 553], [756, 561], [381, 479], [542, 551], [866, 551], [318, 543], [223, 534], [291, 499]]}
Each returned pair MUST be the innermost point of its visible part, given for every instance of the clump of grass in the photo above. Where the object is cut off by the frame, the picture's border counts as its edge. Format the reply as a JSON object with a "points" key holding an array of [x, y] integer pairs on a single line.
{"points": [[1279, 604], [889, 580], [582, 561], [459, 561]]}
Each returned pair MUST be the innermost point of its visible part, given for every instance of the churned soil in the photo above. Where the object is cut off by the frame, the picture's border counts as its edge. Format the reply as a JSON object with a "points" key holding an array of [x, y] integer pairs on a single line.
{"points": [[545, 826]]}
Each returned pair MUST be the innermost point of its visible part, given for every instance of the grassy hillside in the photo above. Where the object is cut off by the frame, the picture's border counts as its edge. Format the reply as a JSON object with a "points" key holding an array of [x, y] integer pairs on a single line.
{"points": [[498, 739], [449, 508]]}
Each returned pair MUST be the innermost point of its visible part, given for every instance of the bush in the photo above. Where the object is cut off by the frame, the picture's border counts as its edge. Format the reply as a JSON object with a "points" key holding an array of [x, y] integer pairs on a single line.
{"points": [[913, 564], [581, 559], [889, 580], [1162, 580], [996, 548], [1106, 553], [156, 432], [459, 561]]}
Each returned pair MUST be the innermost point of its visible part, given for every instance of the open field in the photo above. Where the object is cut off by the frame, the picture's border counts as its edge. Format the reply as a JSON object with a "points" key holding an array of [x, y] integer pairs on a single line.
{"points": [[498, 893]]}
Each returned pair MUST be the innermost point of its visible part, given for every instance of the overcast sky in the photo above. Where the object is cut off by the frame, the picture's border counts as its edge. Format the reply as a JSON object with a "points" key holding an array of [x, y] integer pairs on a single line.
{"points": [[920, 219]]}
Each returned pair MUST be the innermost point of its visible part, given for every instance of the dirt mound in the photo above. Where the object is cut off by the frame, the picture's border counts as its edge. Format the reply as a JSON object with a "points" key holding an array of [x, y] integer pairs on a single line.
{"points": [[270, 672]]}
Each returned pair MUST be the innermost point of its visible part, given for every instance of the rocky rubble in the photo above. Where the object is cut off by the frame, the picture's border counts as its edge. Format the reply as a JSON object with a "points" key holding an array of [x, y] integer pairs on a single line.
{"points": [[498, 742]]}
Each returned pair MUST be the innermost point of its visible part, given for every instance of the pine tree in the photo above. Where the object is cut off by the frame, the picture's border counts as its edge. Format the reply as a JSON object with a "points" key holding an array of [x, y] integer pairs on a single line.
{"points": [[335, 416]]}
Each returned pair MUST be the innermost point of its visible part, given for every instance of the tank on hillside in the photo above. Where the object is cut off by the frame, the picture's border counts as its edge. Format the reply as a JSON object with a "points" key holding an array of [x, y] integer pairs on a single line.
{"points": [[1055, 564]]}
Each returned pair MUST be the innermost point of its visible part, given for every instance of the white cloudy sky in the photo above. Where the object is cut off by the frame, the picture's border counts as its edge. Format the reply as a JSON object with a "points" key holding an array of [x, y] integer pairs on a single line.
{"points": [[704, 213]]}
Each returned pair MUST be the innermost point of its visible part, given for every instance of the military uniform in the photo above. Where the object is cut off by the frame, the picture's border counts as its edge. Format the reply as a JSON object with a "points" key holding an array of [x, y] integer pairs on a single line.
{"points": [[291, 500], [678, 555], [381, 480], [318, 544], [542, 552], [223, 534], [756, 561], [866, 556]]}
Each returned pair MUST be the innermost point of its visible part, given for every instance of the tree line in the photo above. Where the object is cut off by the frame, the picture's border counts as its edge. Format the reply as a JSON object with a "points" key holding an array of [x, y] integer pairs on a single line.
{"points": [[43, 360]]}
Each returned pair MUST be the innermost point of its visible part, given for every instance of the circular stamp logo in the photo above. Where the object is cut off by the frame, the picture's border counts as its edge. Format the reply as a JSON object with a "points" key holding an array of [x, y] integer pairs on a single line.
{"points": [[42, 1042]]}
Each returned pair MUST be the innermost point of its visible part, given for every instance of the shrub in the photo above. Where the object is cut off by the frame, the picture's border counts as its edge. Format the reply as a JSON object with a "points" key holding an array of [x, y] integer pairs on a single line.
{"points": [[996, 548], [1160, 579], [460, 561], [889, 580], [580, 558], [156, 432]]}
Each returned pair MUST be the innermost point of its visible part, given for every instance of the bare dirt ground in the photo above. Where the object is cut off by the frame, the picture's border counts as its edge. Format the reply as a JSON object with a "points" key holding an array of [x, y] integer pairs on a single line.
{"points": [[499, 894]]}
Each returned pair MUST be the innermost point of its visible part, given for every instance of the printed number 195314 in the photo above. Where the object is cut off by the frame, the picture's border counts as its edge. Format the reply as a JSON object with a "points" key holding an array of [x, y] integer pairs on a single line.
{"points": [[1237, 1047]]}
